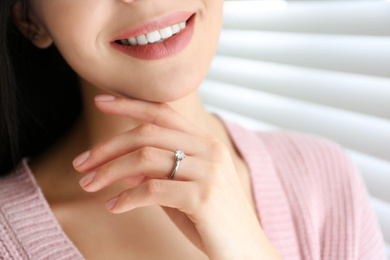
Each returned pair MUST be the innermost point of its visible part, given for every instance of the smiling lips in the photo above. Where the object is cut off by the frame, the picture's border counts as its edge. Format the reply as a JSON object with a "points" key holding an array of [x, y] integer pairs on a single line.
{"points": [[155, 36], [157, 39]]}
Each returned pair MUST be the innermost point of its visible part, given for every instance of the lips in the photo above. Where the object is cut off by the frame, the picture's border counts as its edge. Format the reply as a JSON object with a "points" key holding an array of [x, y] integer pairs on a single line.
{"points": [[153, 37], [157, 39]]}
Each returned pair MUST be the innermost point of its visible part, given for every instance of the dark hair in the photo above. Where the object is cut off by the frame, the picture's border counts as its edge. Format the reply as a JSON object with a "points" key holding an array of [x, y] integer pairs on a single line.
{"points": [[39, 94]]}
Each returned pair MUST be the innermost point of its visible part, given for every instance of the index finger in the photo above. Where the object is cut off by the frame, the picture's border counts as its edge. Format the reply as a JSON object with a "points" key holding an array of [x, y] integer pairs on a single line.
{"points": [[160, 114]]}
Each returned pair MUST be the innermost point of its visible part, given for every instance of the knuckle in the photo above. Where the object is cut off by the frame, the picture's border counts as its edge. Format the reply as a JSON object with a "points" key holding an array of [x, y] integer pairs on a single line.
{"points": [[209, 187], [155, 112], [219, 150], [162, 111], [147, 129], [153, 188], [125, 198], [147, 154], [206, 197], [163, 108]]}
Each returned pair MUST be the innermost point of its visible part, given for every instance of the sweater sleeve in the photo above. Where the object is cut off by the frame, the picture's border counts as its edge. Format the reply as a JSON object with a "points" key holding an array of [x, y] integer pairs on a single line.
{"points": [[358, 234], [370, 239], [8, 243]]}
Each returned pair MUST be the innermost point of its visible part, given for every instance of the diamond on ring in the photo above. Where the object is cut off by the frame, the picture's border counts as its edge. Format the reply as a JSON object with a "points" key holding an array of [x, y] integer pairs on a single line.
{"points": [[179, 155]]}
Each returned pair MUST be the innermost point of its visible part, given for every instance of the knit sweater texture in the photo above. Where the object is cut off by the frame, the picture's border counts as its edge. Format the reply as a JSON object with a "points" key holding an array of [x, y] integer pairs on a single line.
{"points": [[311, 202]]}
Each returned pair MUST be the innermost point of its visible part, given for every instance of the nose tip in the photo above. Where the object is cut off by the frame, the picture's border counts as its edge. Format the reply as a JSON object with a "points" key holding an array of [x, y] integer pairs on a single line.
{"points": [[128, 1]]}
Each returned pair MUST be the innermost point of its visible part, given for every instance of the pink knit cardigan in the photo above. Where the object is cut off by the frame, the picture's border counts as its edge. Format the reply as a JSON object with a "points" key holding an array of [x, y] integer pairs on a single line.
{"points": [[311, 201]]}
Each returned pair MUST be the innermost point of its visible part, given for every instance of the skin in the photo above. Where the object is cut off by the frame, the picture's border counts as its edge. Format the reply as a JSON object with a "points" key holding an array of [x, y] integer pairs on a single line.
{"points": [[130, 209]]}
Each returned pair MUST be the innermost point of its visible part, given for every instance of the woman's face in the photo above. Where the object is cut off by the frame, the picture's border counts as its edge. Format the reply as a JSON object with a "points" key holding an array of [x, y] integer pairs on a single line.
{"points": [[88, 34]]}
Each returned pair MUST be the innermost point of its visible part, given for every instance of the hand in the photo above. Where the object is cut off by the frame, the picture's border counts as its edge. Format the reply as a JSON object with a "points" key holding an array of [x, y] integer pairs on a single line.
{"points": [[205, 199]]}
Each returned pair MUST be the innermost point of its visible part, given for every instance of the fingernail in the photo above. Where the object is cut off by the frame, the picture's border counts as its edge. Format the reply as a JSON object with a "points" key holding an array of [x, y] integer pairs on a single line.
{"points": [[81, 159], [104, 98], [87, 179], [112, 203]]}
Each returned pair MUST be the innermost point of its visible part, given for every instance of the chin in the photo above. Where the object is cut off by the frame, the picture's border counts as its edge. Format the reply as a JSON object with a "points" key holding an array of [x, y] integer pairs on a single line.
{"points": [[163, 88], [163, 92]]}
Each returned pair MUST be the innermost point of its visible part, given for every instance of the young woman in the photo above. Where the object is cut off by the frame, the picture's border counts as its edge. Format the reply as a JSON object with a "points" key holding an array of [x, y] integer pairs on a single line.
{"points": [[154, 176]]}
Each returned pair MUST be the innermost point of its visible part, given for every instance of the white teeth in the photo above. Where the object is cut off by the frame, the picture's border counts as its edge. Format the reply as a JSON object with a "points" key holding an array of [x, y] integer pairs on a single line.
{"points": [[133, 41], [166, 32], [155, 36], [175, 28], [142, 40]]}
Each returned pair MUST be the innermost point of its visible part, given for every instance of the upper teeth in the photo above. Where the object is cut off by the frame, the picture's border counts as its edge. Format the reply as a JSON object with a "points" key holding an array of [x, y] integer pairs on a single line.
{"points": [[155, 36]]}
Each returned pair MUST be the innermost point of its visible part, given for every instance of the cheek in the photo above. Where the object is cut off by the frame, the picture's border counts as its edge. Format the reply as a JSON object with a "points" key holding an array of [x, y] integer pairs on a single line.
{"points": [[75, 30]]}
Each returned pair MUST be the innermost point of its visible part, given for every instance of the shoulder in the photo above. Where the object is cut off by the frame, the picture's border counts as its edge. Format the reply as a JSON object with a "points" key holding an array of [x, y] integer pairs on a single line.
{"points": [[28, 228], [309, 165], [306, 153], [293, 143], [13, 188], [293, 153], [304, 164], [13, 185]]}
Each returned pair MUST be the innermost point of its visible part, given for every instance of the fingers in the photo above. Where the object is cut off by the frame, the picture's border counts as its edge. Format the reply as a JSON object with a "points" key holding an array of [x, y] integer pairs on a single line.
{"points": [[180, 195], [146, 135], [160, 114], [147, 162], [144, 157]]}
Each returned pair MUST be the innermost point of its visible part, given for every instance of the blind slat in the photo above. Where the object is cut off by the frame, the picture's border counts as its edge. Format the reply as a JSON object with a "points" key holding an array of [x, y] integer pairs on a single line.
{"points": [[247, 122], [388, 250], [376, 174], [318, 86], [327, 17], [353, 54], [382, 210]]}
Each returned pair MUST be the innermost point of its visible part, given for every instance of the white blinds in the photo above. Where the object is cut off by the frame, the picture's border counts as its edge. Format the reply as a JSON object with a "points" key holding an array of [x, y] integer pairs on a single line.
{"points": [[315, 66]]}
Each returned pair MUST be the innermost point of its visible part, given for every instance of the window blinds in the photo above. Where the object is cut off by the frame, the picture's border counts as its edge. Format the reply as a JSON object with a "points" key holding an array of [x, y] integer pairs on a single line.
{"points": [[315, 66]]}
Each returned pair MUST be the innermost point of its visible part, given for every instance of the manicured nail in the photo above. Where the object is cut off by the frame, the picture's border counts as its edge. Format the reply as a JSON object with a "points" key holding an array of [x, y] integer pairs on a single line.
{"points": [[112, 203], [87, 179], [104, 98], [79, 160]]}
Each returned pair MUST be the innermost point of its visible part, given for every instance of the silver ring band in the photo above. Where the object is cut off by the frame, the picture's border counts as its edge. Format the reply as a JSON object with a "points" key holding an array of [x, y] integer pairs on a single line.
{"points": [[179, 155]]}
